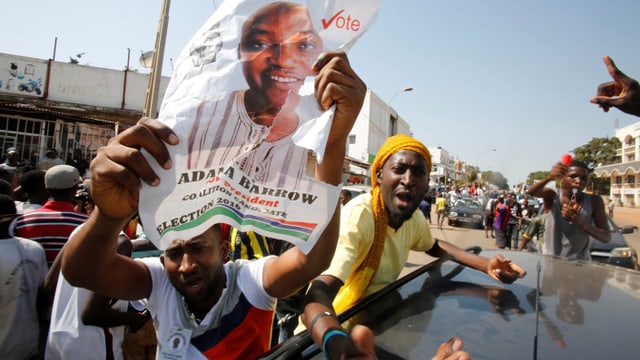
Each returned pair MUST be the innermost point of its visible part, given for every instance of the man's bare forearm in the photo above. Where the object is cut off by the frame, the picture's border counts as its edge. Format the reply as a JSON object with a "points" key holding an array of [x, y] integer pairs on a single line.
{"points": [[90, 250], [537, 189]]}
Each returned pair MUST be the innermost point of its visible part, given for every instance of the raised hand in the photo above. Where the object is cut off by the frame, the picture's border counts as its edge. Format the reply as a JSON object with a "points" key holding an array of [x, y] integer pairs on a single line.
{"points": [[337, 83], [119, 167], [623, 92]]}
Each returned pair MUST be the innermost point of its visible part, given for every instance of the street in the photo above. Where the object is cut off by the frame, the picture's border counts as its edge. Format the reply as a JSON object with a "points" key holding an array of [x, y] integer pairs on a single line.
{"points": [[465, 237]]}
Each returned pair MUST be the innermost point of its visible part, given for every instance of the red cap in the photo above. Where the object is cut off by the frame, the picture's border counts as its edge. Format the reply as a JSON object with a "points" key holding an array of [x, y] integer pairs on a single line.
{"points": [[566, 159]]}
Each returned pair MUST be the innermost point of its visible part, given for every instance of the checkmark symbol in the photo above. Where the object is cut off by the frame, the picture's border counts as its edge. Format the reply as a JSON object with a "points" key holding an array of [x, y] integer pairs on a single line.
{"points": [[326, 24]]}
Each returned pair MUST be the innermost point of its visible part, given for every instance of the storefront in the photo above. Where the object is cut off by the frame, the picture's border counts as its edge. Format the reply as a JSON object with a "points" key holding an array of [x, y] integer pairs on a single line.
{"points": [[33, 131]]}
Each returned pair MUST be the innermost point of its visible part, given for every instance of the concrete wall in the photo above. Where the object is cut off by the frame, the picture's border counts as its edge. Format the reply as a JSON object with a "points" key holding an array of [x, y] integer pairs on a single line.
{"points": [[76, 84]]}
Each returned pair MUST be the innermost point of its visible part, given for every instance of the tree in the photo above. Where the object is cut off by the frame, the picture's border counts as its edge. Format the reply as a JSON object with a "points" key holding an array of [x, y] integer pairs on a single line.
{"points": [[536, 175], [495, 178], [472, 176], [598, 151]]}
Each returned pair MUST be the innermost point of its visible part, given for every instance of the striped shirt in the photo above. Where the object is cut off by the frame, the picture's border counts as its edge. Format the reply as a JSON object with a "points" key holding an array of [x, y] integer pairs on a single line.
{"points": [[49, 225], [248, 245]]}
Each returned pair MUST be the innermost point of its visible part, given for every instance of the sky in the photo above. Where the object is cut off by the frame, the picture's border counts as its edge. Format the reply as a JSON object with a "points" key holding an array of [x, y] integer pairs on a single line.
{"points": [[514, 76]]}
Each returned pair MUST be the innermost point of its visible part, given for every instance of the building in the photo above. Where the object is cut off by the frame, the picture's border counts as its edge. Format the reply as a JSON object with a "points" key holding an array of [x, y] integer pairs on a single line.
{"points": [[48, 104], [625, 175], [443, 168], [375, 123]]}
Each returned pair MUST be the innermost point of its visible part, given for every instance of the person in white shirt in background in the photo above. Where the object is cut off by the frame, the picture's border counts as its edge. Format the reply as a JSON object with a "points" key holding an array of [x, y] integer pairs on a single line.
{"points": [[23, 267]]}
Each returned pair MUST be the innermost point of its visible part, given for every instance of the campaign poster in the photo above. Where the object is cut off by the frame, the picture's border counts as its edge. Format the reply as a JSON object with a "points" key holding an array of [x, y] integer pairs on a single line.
{"points": [[241, 101]]}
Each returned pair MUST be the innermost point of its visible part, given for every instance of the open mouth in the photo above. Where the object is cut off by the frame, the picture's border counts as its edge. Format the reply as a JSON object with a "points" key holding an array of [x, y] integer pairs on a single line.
{"points": [[193, 285], [404, 198]]}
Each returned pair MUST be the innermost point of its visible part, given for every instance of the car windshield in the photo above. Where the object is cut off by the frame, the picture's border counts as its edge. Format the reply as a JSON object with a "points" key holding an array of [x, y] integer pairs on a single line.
{"points": [[468, 203]]}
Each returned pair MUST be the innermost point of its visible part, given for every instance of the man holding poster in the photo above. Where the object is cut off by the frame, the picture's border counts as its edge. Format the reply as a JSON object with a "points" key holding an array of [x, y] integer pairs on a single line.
{"points": [[202, 307]]}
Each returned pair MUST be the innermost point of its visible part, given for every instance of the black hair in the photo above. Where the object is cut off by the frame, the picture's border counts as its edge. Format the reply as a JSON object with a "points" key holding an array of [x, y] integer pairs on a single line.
{"points": [[5, 188], [7, 205], [578, 163], [63, 194], [32, 181], [7, 174]]}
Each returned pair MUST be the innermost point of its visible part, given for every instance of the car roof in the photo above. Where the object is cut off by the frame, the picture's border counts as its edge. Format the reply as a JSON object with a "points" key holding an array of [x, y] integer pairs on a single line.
{"points": [[569, 309]]}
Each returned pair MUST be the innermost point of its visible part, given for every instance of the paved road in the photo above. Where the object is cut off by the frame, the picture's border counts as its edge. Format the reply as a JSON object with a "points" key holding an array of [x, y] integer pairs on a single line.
{"points": [[465, 237]]}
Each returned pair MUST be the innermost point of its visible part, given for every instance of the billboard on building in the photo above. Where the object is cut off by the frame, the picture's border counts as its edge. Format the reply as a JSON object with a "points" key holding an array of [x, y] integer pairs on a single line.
{"points": [[22, 76]]}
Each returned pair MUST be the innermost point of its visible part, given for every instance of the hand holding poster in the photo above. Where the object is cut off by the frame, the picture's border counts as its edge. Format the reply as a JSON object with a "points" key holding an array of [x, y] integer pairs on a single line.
{"points": [[247, 119]]}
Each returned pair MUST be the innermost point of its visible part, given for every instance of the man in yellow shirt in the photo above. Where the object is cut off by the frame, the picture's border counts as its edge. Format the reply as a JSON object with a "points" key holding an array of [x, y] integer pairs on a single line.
{"points": [[377, 231], [441, 208]]}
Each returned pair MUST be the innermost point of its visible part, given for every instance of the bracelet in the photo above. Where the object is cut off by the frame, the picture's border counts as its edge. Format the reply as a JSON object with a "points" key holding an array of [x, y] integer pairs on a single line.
{"points": [[316, 318], [328, 335]]}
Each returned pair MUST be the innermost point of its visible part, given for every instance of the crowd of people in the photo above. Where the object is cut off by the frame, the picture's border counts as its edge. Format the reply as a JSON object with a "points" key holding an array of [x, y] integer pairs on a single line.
{"points": [[14, 163], [517, 224], [71, 289]]}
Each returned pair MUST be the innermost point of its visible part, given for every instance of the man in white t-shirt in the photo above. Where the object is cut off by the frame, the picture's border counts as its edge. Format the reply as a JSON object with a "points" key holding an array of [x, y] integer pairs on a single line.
{"points": [[88, 325], [11, 161], [23, 267], [453, 195], [49, 160]]}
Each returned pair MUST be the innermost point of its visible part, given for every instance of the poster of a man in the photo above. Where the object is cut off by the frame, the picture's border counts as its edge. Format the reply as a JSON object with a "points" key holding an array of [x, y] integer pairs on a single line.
{"points": [[242, 96], [278, 46]]}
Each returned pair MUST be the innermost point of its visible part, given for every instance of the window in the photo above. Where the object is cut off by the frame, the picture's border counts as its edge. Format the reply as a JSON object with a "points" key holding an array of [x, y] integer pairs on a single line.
{"points": [[32, 137], [393, 125], [352, 139]]}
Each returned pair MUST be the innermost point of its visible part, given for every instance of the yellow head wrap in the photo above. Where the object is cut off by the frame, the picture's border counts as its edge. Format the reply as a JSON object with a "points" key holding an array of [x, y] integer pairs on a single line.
{"points": [[357, 283], [392, 146]]}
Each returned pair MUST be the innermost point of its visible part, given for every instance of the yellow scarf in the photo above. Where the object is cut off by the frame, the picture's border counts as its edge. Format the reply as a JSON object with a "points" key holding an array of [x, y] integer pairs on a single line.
{"points": [[359, 281]]}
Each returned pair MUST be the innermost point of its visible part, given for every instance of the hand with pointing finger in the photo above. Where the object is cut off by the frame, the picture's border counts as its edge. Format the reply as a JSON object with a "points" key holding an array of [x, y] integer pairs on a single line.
{"points": [[623, 92]]}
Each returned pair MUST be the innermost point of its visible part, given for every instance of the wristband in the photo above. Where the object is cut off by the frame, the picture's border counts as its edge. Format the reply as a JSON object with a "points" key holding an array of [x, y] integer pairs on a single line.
{"points": [[328, 335], [316, 318]]}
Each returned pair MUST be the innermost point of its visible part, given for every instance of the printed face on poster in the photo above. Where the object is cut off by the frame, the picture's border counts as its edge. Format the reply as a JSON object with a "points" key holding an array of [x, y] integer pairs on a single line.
{"points": [[241, 101]]}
